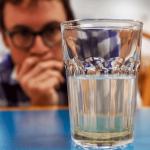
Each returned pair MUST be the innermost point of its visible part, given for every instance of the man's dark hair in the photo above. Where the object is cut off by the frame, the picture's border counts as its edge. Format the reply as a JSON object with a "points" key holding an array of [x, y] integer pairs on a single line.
{"points": [[66, 4]]}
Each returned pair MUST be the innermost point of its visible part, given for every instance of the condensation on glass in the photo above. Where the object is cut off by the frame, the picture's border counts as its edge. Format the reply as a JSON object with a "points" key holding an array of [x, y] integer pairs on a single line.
{"points": [[102, 60]]}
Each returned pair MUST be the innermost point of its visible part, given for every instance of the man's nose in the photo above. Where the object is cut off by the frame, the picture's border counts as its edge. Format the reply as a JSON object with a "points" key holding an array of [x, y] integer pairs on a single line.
{"points": [[39, 47]]}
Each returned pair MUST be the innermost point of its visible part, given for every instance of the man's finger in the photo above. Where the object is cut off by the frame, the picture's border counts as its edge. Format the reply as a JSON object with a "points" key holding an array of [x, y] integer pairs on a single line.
{"points": [[39, 66]]}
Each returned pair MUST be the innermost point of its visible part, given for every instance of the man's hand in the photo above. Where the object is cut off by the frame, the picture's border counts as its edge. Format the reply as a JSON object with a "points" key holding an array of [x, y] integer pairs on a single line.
{"points": [[39, 78]]}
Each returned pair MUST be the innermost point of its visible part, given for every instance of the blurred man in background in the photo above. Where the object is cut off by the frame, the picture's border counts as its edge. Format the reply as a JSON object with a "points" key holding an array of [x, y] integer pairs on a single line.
{"points": [[31, 30]]}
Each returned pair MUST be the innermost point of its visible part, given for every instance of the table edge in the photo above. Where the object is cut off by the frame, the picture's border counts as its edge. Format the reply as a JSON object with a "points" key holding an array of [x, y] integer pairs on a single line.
{"points": [[38, 108], [33, 108]]}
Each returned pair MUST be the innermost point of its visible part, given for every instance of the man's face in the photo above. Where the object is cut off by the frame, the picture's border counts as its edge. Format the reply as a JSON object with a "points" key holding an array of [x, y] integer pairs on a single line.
{"points": [[34, 17]]}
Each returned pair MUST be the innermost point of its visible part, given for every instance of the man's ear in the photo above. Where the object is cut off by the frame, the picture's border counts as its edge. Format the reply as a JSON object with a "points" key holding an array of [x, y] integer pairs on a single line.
{"points": [[4, 38]]}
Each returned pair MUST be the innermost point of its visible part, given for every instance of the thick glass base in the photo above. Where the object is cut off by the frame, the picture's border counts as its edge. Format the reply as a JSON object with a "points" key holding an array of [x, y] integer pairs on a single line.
{"points": [[100, 145]]}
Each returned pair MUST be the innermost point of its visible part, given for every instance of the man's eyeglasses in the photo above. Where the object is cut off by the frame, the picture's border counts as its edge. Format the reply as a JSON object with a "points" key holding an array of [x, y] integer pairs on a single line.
{"points": [[24, 38]]}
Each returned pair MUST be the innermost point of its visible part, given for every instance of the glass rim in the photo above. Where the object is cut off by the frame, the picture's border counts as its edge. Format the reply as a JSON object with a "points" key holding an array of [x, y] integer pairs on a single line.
{"points": [[134, 23]]}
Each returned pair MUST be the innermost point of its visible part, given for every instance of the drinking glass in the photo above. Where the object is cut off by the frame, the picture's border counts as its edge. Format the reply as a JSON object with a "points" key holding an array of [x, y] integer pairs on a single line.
{"points": [[102, 60]]}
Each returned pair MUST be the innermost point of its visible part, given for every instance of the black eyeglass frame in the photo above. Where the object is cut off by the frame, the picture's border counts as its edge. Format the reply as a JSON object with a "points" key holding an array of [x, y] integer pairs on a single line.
{"points": [[34, 34]]}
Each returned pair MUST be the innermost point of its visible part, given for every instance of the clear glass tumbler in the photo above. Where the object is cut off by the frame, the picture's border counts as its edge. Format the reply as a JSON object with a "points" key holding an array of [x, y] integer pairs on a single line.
{"points": [[102, 60]]}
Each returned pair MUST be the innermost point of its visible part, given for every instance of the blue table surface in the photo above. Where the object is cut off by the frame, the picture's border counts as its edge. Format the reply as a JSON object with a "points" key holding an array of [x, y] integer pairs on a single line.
{"points": [[50, 130]]}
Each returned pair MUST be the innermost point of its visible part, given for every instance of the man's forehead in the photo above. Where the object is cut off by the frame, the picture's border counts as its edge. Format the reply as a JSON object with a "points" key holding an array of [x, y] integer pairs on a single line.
{"points": [[33, 14], [31, 6], [30, 3]]}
